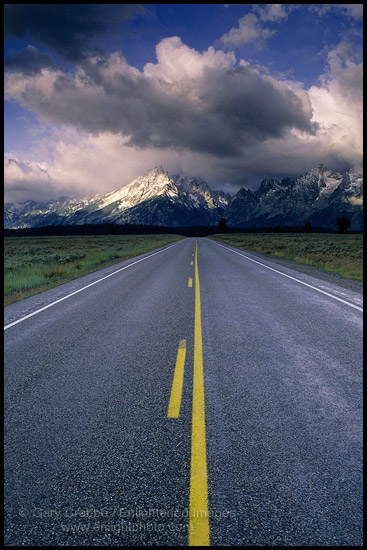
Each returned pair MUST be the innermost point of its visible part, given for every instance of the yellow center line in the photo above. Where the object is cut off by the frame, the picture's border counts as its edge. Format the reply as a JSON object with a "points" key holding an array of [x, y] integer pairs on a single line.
{"points": [[190, 281], [176, 391], [192, 263], [199, 516]]}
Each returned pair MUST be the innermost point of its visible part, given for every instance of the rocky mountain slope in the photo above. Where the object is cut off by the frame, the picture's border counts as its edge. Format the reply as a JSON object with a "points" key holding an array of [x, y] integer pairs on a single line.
{"points": [[319, 196], [157, 198]]}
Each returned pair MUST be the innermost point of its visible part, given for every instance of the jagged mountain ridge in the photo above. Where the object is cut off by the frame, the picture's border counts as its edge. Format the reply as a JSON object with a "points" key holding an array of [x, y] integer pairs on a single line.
{"points": [[157, 198], [319, 196]]}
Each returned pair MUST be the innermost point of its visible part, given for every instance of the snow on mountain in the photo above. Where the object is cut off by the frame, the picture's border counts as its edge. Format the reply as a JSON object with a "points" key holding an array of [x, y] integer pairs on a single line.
{"points": [[353, 186], [318, 196], [154, 183], [157, 198], [156, 193], [25, 214]]}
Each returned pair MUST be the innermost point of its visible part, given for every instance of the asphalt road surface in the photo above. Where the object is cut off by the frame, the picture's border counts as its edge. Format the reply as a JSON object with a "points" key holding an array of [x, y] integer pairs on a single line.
{"points": [[261, 367]]}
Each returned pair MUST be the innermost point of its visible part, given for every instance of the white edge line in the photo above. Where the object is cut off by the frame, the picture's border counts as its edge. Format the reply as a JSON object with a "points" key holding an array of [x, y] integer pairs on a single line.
{"points": [[84, 287], [293, 278]]}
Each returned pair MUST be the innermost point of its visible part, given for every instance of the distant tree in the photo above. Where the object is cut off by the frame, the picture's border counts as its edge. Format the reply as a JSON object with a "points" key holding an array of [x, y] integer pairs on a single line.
{"points": [[342, 223], [308, 227], [222, 225]]}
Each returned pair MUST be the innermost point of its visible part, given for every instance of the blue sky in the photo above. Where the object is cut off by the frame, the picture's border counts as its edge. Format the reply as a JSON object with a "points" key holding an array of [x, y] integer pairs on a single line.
{"points": [[97, 94]]}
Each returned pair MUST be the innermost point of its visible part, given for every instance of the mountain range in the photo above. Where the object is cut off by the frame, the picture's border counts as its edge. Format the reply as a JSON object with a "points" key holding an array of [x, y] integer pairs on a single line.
{"points": [[319, 196]]}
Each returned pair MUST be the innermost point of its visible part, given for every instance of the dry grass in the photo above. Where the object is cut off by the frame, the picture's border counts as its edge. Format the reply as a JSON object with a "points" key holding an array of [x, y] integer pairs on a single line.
{"points": [[35, 264], [341, 254]]}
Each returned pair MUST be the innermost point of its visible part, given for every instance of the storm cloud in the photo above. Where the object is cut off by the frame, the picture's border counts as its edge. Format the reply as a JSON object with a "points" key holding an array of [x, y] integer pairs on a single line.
{"points": [[207, 113], [70, 30], [203, 102], [29, 61]]}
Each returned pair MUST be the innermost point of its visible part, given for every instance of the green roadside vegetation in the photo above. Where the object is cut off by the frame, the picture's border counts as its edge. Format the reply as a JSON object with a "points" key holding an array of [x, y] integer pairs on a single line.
{"points": [[35, 264], [332, 252]]}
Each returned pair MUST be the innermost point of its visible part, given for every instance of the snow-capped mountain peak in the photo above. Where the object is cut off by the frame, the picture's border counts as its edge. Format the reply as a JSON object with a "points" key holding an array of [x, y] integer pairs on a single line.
{"points": [[157, 198], [153, 183]]}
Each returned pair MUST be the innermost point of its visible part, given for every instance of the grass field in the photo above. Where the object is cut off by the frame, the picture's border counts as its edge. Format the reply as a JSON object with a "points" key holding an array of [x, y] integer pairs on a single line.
{"points": [[336, 253], [35, 264]]}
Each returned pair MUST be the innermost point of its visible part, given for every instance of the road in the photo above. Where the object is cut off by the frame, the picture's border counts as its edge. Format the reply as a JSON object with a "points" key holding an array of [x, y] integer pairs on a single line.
{"points": [[263, 444]]}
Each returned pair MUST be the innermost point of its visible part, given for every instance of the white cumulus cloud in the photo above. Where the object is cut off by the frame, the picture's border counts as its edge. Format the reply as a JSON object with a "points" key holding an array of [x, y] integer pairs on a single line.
{"points": [[204, 113]]}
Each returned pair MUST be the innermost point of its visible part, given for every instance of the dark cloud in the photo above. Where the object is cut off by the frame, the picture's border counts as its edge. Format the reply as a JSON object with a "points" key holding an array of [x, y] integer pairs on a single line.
{"points": [[70, 30], [29, 61], [196, 112], [231, 113], [187, 101]]}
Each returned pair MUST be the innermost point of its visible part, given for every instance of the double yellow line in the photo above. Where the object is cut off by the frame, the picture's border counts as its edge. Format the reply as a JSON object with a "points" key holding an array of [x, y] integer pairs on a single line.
{"points": [[198, 505]]}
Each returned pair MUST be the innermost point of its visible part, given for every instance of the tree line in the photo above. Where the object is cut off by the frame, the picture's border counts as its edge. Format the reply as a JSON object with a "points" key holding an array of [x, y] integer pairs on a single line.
{"points": [[342, 223]]}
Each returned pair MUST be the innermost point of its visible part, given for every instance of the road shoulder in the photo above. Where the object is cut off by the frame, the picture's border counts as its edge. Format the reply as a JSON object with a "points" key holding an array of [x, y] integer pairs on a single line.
{"points": [[348, 284]]}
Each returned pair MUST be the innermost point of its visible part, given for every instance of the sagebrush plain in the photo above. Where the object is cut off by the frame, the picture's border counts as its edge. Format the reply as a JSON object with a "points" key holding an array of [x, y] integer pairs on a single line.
{"points": [[332, 252], [35, 264]]}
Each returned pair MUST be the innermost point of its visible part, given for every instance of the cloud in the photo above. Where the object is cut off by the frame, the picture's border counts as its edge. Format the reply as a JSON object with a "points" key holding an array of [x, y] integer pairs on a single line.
{"points": [[78, 167], [25, 180], [195, 113], [29, 61], [354, 11], [273, 12], [249, 31], [84, 165], [70, 30], [189, 101], [338, 105]]}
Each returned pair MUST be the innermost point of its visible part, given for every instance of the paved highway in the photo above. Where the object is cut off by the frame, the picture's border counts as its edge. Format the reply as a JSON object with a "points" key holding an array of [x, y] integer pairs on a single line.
{"points": [[197, 395]]}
